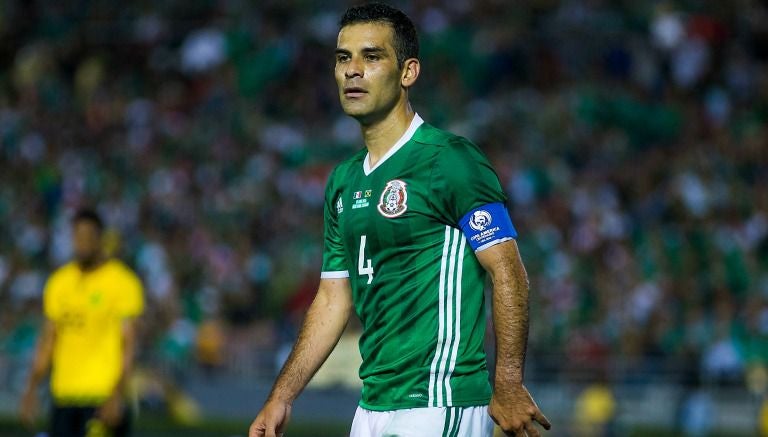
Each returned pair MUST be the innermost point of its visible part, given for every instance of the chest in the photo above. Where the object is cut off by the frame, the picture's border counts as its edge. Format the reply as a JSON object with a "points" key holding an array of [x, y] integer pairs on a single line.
{"points": [[85, 299], [392, 199]]}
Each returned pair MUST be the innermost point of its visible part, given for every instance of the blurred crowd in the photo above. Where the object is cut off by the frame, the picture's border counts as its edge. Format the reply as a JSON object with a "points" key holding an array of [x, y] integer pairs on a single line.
{"points": [[631, 137]]}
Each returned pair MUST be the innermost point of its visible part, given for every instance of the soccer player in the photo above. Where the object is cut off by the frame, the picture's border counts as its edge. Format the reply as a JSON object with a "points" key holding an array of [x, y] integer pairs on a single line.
{"points": [[88, 340], [412, 225]]}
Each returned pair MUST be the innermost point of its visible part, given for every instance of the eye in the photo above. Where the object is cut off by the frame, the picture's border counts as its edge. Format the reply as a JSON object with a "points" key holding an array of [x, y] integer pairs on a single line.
{"points": [[342, 57], [372, 57]]}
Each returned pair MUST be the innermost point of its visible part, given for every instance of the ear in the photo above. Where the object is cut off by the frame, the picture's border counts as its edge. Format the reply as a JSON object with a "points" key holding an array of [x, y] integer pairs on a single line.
{"points": [[411, 69]]}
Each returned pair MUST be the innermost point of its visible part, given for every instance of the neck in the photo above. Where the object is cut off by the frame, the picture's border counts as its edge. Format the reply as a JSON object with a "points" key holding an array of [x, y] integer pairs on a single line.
{"points": [[89, 264], [380, 136]]}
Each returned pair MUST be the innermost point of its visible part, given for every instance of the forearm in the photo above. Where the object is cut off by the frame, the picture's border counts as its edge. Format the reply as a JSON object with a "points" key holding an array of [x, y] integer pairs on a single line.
{"points": [[510, 315], [510, 319], [323, 325], [43, 355], [129, 356]]}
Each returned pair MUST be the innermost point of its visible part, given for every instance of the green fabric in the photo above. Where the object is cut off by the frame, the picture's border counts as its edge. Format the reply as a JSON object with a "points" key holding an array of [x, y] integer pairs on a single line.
{"points": [[408, 270]]}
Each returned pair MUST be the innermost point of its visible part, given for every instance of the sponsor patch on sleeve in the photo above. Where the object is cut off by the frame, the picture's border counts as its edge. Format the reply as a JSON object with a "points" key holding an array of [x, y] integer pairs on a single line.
{"points": [[487, 225]]}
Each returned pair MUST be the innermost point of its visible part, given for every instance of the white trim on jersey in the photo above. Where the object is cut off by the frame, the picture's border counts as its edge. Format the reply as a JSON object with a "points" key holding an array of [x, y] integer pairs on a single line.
{"points": [[415, 123], [339, 274], [456, 324], [493, 243], [449, 319], [432, 402], [449, 327]]}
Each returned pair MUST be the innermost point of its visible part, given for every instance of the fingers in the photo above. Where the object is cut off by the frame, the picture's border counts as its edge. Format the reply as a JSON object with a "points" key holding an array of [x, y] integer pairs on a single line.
{"points": [[530, 430], [262, 429], [514, 429], [28, 411], [257, 430], [26, 419], [539, 417], [110, 415], [527, 427]]}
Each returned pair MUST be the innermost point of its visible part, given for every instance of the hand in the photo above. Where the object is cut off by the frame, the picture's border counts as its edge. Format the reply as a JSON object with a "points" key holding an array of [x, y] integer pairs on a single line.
{"points": [[514, 410], [29, 407], [272, 420], [111, 412]]}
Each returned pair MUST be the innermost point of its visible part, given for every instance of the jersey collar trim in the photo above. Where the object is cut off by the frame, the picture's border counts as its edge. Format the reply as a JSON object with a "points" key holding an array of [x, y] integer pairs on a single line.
{"points": [[415, 123]]}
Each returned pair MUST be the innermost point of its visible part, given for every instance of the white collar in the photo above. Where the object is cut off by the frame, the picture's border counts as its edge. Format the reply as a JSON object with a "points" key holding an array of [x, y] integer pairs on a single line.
{"points": [[415, 123]]}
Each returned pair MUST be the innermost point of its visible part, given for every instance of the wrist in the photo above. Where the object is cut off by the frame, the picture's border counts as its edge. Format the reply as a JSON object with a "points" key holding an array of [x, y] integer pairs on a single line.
{"points": [[279, 398], [506, 376]]}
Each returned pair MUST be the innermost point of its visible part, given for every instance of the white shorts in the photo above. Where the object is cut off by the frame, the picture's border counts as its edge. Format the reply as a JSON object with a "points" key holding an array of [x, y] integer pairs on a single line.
{"points": [[423, 422]]}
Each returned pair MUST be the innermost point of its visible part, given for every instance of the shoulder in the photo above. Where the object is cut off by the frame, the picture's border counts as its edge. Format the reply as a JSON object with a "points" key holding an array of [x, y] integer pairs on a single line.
{"points": [[350, 163], [446, 144], [453, 154], [119, 270], [342, 170], [63, 272], [62, 279]]}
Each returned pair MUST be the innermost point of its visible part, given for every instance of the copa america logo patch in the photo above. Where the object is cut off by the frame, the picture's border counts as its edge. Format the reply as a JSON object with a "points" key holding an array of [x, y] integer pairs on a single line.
{"points": [[480, 220], [394, 198]]}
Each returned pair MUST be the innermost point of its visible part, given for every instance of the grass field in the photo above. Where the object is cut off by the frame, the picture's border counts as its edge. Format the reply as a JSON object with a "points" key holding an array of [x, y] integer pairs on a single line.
{"points": [[158, 427]]}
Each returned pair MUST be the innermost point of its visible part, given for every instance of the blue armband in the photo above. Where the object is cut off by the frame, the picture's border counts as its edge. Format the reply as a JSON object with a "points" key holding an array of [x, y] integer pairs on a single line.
{"points": [[487, 225]]}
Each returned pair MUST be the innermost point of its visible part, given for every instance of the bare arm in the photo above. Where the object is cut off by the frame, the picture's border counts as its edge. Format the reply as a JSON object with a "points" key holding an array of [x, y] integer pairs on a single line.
{"points": [[40, 366], [112, 410], [510, 309], [324, 323], [511, 407]]}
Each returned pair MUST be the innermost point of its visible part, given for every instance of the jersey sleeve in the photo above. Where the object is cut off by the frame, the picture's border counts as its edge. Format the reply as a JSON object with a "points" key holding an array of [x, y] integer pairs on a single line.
{"points": [[462, 180], [334, 259], [468, 195], [51, 307], [132, 295]]}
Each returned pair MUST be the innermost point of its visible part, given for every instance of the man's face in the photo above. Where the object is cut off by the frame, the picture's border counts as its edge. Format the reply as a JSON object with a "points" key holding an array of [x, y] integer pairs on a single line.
{"points": [[367, 74], [86, 241]]}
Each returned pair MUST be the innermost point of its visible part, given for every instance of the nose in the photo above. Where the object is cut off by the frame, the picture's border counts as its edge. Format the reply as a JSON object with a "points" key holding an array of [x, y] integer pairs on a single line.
{"points": [[354, 68]]}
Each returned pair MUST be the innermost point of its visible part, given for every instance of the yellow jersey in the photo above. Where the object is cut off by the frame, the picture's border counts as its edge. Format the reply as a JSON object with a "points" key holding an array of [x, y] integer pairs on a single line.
{"points": [[88, 310]]}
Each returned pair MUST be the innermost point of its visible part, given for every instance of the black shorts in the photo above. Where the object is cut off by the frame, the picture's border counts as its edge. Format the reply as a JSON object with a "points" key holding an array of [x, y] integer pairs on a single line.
{"points": [[76, 422]]}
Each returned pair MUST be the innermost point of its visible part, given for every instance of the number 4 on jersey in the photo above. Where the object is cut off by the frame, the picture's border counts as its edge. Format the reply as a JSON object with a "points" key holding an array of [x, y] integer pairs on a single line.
{"points": [[363, 269]]}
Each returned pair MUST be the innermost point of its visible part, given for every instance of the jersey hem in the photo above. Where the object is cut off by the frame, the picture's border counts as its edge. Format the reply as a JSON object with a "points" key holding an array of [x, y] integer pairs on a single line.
{"points": [[79, 401], [468, 403]]}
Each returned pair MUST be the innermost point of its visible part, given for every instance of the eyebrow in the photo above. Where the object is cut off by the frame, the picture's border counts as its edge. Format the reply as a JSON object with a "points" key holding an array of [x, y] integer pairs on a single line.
{"points": [[366, 50]]}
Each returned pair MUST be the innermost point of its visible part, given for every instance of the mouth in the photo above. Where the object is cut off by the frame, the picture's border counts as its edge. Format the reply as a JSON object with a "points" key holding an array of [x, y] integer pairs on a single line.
{"points": [[354, 92]]}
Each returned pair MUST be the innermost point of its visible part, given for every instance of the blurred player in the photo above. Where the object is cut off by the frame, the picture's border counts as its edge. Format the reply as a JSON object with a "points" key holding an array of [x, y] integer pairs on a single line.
{"points": [[88, 340], [412, 225]]}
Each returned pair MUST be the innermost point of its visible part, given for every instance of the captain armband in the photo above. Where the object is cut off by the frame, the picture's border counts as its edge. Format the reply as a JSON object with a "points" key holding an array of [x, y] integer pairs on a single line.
{"points": [[487, 225]]}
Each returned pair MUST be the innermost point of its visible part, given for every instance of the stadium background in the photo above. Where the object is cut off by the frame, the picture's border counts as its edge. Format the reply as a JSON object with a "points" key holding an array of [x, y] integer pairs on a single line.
{"points": [[630, 136]]}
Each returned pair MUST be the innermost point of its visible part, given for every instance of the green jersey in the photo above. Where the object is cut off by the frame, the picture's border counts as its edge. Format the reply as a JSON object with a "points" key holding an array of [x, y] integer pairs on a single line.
{"points": [[416, 284]]}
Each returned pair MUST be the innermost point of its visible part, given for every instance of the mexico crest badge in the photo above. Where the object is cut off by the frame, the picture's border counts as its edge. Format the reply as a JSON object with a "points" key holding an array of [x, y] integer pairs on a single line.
{"points": [[394, 199]]}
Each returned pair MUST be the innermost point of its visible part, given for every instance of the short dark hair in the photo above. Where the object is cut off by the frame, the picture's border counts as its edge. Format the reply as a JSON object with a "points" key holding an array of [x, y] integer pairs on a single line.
{"points": [[406, 41], [90, 216]]}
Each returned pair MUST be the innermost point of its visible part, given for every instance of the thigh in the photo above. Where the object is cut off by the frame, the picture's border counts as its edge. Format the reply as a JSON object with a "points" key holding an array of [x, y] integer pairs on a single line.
{"points": [[70, 421], [61, 422]]}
